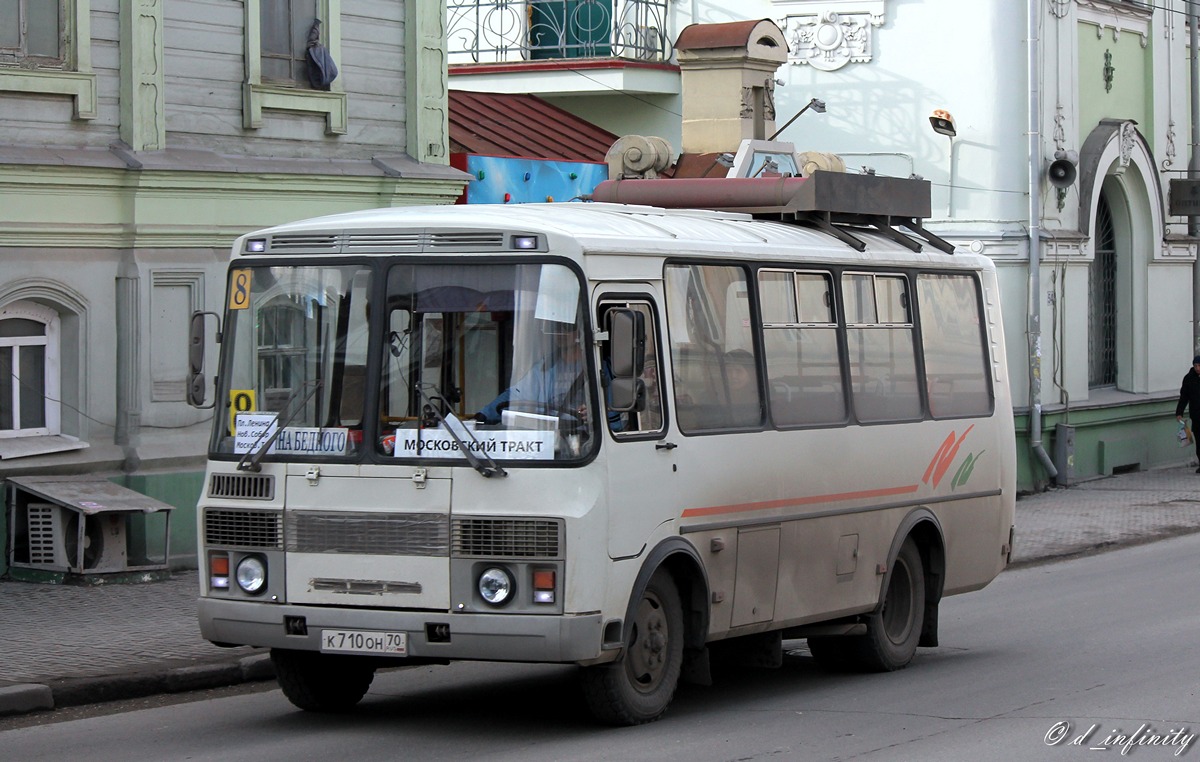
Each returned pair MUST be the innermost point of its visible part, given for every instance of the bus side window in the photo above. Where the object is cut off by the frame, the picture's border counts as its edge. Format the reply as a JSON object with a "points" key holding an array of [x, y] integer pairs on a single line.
{"points": [[647, 417], [800, 339], [712, 354], [879, 339], [954, 345]]}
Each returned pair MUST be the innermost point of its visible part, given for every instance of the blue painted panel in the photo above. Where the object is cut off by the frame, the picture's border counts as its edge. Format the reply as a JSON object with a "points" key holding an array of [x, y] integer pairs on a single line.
{"points": [[530, 180]]}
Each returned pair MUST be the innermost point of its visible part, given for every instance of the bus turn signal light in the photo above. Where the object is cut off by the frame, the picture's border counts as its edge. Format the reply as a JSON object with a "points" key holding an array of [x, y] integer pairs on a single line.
{"points": [[543, 585], [218, 571]]}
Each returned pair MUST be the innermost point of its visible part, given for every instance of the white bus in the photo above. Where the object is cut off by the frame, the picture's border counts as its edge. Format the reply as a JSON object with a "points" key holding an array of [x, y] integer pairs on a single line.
{"points": [[617, 436]]}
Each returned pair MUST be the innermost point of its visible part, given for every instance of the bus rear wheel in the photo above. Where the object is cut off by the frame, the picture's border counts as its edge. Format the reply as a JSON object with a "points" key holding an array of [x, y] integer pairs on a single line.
{"points": [[639, 686], [892, 632], [318, 682]]}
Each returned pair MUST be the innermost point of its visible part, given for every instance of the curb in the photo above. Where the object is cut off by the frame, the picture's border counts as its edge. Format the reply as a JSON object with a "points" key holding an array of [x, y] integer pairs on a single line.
{"points": [[25, 697], [1079, 550], [31, 697]]}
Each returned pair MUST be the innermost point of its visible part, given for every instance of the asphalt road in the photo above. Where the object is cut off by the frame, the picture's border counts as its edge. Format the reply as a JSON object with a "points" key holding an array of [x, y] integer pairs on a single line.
{"points": [[1044, 654]]}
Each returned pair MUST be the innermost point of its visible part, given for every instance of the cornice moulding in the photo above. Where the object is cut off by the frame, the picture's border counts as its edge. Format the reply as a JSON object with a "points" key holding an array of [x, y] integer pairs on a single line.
{"points": [[1116, 17]]}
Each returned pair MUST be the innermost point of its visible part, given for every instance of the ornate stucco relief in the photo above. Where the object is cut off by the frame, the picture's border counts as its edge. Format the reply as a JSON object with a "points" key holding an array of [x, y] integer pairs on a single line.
{"points": [[1128, 132], [1060, 132], [1116, 18], [828, 35], [1170, 149], [768, 101]]}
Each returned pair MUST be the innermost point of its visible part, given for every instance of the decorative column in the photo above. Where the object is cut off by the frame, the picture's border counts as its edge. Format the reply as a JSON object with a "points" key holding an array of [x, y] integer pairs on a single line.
{"points": [[143, 117], [427, 118]]}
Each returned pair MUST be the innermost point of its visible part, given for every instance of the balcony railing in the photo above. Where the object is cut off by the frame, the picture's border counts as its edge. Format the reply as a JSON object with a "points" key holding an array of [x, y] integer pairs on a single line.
{"points": [[496, 31]]}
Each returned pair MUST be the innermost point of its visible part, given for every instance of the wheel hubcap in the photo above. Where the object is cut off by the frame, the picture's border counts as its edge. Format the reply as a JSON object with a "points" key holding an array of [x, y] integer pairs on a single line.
{"points": [[647, 655]]}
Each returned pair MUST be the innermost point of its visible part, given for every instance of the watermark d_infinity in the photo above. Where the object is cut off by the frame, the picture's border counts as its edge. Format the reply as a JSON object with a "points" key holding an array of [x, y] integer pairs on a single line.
{"points": [[1094, 739]]}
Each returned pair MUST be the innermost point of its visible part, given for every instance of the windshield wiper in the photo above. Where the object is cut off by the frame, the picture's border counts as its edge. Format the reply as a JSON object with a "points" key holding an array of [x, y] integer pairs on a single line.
{"points": [[250, 461], [479, 460]]}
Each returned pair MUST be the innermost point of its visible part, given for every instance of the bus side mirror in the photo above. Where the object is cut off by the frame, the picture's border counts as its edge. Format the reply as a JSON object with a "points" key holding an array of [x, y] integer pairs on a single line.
{"points": [[627, 359], [196, 349]]}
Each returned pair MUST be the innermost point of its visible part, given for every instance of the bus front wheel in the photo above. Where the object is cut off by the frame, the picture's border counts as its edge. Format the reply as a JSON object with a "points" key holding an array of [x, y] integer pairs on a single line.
{"points": [[320, 682], [892, 632], [638, 687]]}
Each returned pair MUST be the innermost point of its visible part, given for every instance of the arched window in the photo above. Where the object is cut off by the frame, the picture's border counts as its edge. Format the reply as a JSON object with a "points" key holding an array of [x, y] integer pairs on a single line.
{"points": [[29, 370]]}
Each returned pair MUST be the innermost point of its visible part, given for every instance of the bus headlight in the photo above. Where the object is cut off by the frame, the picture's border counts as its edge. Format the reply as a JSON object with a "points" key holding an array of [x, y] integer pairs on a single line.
{"points": [[495, 586], [252, 574]]}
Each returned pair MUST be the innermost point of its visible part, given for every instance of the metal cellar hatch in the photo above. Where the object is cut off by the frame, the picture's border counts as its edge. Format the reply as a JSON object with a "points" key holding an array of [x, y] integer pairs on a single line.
{"points": [[85, 529]]}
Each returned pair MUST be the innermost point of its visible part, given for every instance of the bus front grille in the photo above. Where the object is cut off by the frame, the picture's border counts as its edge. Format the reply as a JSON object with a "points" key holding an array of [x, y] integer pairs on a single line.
{"points": [[466, 240], [371, 534], [242, 486], [507, 538], [243, 529], [306, 243], [394, 242]]}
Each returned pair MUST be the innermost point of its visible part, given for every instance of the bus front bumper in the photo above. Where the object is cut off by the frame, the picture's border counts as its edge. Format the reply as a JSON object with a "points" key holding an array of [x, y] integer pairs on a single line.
{"points": [[430, 635]]}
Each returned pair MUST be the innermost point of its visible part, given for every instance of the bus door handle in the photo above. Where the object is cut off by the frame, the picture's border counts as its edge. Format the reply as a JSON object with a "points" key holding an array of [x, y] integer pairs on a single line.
{"points": [[665, 446]]}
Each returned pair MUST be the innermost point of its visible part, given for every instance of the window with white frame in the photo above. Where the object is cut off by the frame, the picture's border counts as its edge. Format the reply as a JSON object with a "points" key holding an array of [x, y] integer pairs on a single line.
{"points": [[29, 370]]}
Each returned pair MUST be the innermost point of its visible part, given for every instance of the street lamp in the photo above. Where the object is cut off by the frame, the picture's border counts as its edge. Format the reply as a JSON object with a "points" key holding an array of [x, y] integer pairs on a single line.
{"points": [[816, 104], [942, 123]]}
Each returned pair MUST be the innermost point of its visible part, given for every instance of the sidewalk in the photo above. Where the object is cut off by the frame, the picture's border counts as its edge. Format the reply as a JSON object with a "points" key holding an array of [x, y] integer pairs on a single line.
{"points": [[66, 645]]}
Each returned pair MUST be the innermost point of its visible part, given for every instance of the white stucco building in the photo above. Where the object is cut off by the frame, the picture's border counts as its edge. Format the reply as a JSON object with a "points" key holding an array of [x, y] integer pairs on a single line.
{"points": [[1100, 330]]}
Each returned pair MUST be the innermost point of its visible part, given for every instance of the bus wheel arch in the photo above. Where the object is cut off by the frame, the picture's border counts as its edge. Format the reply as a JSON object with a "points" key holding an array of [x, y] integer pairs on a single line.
{"points": [[923, 531], [680, 559], [927, 534], [662, 623], [906, 616]]}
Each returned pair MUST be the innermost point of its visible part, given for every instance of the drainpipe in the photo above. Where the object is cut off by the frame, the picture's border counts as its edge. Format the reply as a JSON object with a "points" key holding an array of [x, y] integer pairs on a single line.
{"points": [[128, 341], [1034, 329], [1194, 163]]}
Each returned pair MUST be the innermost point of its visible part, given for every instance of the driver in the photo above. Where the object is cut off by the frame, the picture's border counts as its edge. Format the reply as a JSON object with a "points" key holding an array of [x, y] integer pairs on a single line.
{"points": [[556, 382]]}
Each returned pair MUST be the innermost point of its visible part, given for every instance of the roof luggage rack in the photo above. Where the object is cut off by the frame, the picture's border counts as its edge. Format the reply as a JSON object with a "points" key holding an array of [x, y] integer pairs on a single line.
{"points": [[837, 203]]}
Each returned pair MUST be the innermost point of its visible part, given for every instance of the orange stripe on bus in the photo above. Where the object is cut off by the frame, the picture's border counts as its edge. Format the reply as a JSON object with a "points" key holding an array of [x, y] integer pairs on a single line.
{"points": [[792, 501]]}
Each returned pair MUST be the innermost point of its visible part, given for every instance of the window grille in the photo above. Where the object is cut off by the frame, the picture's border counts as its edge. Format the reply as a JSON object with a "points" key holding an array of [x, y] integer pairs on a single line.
{"points": [[1102, 302]]}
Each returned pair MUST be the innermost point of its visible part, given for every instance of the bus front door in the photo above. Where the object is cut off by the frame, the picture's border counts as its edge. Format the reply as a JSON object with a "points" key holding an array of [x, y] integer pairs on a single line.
{"points": [[641, 461]]}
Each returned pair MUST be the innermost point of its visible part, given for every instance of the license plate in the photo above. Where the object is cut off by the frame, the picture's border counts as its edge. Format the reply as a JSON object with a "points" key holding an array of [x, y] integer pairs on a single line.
{"points": [[364, 642]]}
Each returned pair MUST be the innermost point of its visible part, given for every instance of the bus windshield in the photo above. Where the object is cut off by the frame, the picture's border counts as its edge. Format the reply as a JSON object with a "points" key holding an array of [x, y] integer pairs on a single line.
{"points": [[486, 358], [295, 352], [502, 347]]}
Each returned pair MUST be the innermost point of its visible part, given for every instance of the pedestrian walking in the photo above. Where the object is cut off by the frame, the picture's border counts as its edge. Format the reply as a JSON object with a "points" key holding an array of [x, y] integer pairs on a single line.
{"points": [[1189, 399]]}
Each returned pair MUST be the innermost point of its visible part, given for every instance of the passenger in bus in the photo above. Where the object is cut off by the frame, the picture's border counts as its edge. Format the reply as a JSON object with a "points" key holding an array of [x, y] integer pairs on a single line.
{"points": [[740, 394]]}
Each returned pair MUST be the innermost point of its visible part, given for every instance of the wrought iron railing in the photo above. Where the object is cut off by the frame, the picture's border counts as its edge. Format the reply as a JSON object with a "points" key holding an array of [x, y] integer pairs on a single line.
{"points": [[492, 31]]}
